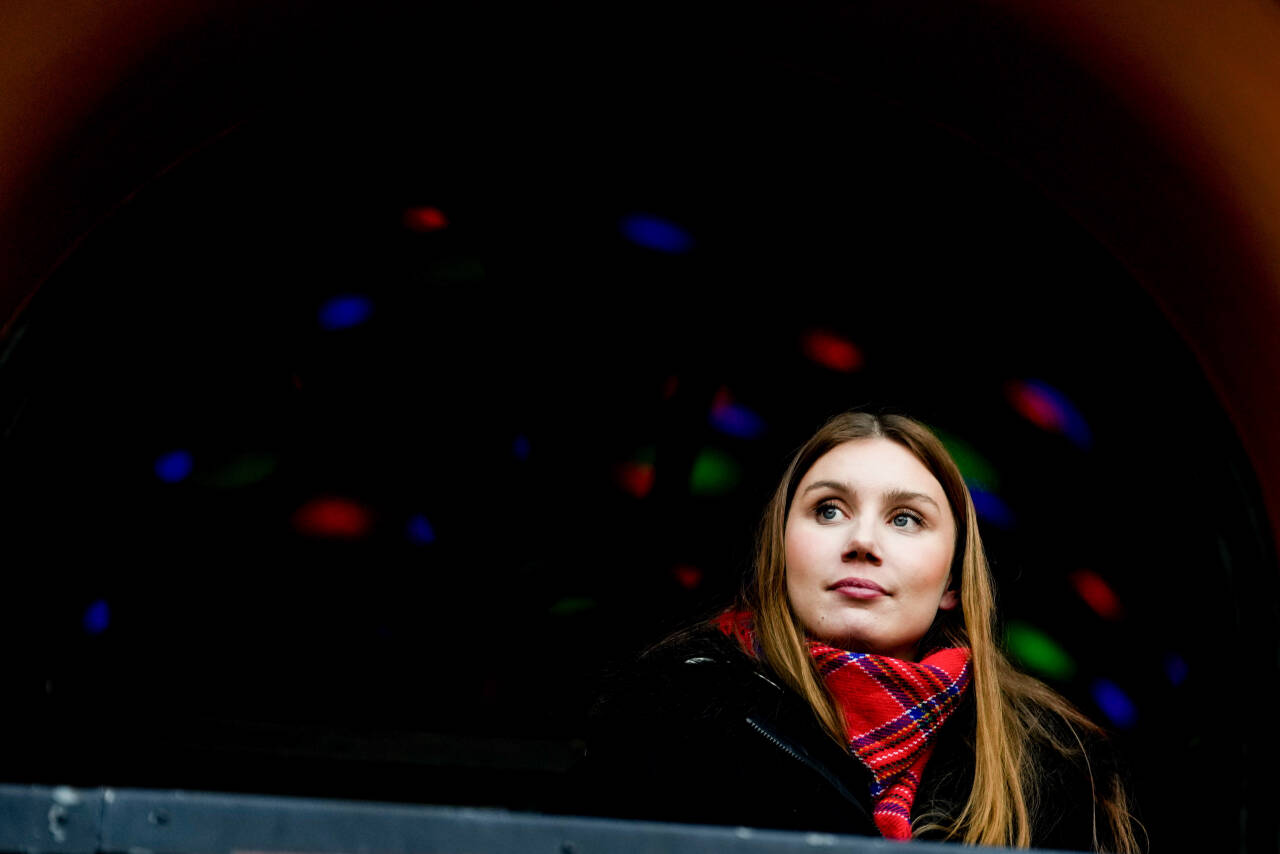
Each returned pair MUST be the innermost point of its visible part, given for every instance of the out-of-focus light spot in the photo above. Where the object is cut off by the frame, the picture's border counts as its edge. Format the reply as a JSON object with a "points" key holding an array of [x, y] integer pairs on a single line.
{"points": [[243, 470], [420, 531], [425, 219], [688, 577], [733, 418], [636, 475], [296, 380], [1035, 406], [345, 311], [714, 473], [635, 478], [1115, 703], [1049, 409], [1175, 668], [97, 617], [831, 351], [571, 605], [333, 518], [973, 465], [669, 387], [1096, 593], [656, 233], [520, 447], [1037, 651], [174, 466], [456, 270], [990, 507]]}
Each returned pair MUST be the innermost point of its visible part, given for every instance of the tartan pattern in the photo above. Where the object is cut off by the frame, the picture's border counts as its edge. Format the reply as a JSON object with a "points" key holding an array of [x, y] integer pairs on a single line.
{"points": [[892, 711]]}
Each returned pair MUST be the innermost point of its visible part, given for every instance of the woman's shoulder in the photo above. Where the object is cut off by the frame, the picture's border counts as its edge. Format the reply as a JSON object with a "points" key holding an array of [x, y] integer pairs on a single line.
{"points": [[661, 723], [698, 640], [698, 730], [694, 667]]}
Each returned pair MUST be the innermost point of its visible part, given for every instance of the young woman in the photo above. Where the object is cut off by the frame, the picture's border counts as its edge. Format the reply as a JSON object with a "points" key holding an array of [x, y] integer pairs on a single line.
{"points": [[857, 685]]}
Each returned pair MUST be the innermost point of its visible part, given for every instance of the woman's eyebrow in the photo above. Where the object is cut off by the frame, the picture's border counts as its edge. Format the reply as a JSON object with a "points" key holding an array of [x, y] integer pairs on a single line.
{"points": [[896, 496], [893, 496], [826, 484]]}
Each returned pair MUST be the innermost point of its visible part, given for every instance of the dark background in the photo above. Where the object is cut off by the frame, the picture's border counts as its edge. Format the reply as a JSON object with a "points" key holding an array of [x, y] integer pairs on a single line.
{"points": [[516, 365]]}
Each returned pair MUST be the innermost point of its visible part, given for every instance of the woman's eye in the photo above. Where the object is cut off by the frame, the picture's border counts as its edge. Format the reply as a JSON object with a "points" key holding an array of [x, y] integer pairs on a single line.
{"points": [[828, 512], [905, 520]]}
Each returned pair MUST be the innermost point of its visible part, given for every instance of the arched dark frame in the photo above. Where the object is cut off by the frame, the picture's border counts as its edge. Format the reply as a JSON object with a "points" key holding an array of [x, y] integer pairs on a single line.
{"points": [[1200, 246]]}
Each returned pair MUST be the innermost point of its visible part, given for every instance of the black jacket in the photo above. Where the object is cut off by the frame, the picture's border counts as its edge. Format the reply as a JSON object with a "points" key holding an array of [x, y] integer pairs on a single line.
{"points": [[701, 732]]}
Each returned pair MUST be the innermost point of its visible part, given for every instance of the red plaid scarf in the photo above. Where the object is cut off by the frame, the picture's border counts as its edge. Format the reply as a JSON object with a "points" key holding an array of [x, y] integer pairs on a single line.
{"points": [[892, 711]]}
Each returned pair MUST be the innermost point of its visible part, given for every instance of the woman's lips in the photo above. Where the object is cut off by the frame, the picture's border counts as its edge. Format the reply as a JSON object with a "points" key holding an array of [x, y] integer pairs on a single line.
{"points": [[858, 588]]}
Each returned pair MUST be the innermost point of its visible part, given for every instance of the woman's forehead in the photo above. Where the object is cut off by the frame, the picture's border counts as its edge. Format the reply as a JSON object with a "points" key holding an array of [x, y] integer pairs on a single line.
{"points": [[876, 464]]}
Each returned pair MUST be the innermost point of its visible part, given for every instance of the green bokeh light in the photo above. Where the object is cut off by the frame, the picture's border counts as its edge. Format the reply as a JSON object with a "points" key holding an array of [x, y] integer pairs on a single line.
{"points": [[973, 465], [244, 470], [714, 473], [571, 605], [456, 270], [1036, 651]]}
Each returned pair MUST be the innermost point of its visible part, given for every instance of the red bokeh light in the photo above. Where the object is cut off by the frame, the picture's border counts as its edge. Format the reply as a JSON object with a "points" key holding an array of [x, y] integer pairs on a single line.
{"points": [[333, 518], [1033, 405], [831, 351], [689, 577], [1097, 594], [635, 478], [425, 219]]}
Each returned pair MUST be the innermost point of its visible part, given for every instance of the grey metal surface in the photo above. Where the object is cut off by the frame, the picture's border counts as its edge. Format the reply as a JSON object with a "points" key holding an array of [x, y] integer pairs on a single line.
{"points": [[56, 819], [133, 821]]}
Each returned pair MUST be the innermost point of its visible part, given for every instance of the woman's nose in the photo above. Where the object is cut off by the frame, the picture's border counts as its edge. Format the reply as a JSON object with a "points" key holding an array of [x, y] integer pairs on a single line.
{"points": [[861, 544]]}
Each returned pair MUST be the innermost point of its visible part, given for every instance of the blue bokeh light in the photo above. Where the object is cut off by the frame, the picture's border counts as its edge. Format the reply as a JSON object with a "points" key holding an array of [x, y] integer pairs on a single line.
{"points": [[420, 530], [653, 232], [736, 420], [97, 617], [990, 507], [345, 311], [1072, 423], [1115, 703], [521, 448], [174, 466], [1175, 667]]}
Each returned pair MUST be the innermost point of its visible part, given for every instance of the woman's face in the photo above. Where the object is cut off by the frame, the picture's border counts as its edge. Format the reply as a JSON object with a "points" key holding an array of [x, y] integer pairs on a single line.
{"points": [[869, 541]]}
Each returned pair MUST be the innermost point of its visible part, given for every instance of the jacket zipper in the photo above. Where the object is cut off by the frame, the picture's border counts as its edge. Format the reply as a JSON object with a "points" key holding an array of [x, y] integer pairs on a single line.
{"points": [[808, 763]]}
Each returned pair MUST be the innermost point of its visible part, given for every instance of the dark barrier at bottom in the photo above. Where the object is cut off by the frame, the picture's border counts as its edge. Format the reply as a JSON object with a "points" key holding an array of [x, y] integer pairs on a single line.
{"points": [[84, 821]]}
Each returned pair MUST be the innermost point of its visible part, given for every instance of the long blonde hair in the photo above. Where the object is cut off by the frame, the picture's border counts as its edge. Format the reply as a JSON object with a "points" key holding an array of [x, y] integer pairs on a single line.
{"points": [[1012, 708]]}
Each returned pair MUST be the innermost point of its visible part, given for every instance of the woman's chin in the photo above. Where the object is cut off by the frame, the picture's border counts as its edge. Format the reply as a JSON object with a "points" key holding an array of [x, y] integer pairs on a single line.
{"points": [[856, 643]]}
